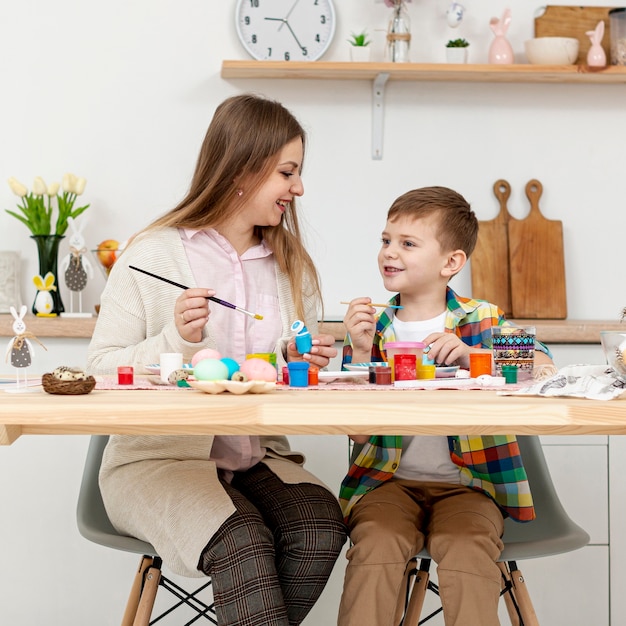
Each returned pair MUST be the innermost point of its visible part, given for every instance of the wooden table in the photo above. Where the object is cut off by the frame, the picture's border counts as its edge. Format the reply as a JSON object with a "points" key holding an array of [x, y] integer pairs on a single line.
{"points": [[308, 412]]}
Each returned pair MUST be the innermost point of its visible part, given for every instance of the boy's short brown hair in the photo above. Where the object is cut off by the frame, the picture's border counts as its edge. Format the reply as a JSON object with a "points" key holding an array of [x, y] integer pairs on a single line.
{"points": [[458, 226]]}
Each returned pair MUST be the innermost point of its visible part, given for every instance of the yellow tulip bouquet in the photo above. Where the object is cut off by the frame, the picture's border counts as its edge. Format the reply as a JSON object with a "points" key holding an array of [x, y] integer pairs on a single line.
{"points": [[36, 206]]}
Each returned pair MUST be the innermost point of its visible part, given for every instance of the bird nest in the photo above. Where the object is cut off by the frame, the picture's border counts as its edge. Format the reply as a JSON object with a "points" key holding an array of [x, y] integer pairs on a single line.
{"points": [[51, 384]]}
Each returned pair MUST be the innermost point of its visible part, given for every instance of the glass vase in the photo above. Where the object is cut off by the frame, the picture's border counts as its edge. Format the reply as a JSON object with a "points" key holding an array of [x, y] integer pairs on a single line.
{"points": [[399, 35], [48, 251]]}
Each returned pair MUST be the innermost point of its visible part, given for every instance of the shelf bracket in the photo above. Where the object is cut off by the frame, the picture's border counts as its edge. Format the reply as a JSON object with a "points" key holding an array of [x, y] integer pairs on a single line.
{"points": [[378, 114]]}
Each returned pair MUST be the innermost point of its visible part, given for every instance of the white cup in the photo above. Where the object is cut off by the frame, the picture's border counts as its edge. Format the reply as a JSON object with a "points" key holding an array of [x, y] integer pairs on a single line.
{"points": [[168, 362]]}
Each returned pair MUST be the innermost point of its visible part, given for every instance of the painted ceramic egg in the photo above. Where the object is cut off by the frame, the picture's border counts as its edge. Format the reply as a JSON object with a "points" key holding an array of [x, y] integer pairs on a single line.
{"points": [[232, 366], [259, 369], [210, 369], [205, 353]]}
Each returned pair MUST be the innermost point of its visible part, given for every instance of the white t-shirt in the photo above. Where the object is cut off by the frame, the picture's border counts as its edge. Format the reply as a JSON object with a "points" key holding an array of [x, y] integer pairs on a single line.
{"points": [[425, 458]]}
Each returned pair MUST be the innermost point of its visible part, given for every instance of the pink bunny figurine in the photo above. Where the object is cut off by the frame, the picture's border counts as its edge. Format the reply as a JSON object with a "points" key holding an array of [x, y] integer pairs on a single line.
{"points": [[500, 50], [596, 57]]}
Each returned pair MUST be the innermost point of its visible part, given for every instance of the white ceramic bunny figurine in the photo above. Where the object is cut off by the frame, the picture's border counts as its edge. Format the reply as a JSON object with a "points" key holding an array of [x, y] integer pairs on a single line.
{"points": [[76, 265], [20, 348], [500, 51], [596, 57]]}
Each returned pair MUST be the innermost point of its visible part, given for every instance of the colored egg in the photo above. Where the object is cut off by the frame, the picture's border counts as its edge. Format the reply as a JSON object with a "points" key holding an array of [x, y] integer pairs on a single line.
{"points": [[210, 369], [232, 366], [259, 369], [205, 353]]}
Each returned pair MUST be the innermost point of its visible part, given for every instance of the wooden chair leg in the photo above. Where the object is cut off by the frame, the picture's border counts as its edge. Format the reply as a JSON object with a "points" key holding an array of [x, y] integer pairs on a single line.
{"points": [[508, 600], [520, 594], [418, 595], [146, 603], [135, 592]]}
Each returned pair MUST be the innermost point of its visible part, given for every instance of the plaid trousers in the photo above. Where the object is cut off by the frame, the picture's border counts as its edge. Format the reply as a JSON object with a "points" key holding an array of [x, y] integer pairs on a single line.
{"points": [[270, 560]]}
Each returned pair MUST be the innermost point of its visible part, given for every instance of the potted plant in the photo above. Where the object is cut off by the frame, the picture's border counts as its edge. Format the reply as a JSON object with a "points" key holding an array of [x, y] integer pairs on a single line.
{"points": [[359, 47], [456, 50]]}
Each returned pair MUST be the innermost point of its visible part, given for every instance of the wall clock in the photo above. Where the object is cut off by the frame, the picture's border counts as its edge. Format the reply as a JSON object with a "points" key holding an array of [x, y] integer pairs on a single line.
{"points": [[285, 30]]}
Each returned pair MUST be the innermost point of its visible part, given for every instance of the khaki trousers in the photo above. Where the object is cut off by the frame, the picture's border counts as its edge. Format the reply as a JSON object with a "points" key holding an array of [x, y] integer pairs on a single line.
{"points": [[461, 529]]}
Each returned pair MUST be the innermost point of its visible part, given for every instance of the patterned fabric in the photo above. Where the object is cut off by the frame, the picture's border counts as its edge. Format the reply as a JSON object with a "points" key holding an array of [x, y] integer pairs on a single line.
{"points": [[491, 464], [270, 560]]}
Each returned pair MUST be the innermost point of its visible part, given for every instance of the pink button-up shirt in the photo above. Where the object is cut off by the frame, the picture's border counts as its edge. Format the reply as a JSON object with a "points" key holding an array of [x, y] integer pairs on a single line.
{"points": [[249, 281]]}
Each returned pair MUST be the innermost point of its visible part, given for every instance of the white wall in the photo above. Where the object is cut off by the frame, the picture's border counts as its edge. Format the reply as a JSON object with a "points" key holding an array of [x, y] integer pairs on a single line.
{"points": [[122, 92]]}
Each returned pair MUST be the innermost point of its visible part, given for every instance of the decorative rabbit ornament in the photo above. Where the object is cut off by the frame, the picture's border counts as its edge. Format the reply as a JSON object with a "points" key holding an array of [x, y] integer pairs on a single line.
{"points": [[500, 51], [76, 265], [44, 305], [596, 57], [454, 14], [19, 347]]}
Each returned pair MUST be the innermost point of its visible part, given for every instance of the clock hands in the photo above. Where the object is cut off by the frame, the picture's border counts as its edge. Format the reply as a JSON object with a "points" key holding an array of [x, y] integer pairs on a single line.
{"points": [[284, 21], [288, 14]]}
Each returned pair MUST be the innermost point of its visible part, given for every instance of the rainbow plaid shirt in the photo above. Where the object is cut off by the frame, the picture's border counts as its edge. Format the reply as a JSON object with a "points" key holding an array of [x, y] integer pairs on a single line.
{"points": [[491, 464]]}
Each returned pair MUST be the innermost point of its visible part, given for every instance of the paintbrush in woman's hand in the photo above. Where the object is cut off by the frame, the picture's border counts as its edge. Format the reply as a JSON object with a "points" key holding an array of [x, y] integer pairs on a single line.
{"points": [[256, 316]]}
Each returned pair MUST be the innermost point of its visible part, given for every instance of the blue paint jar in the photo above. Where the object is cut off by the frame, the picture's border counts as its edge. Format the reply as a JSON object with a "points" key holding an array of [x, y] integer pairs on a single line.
{"points": [[298, 374], [304, 341]]}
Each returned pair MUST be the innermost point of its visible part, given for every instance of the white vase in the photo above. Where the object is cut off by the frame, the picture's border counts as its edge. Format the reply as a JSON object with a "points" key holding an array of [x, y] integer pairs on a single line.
{"points": [[456, 55], [360, 54]]}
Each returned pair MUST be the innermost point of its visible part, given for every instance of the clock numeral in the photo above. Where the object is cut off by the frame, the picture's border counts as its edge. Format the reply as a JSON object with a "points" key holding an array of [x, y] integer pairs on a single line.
{"points": [[287, 56], [317, 38], [254, 4], [305, 52], [246, 20], [323, 19], [269, 52], [254, 39]]}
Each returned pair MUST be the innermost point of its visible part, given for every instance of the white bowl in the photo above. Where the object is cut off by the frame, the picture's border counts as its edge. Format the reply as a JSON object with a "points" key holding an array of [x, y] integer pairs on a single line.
{"points": [[552, 50]]}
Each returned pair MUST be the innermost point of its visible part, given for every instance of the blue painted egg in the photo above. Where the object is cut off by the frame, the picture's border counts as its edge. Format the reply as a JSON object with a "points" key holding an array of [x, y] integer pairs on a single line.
{"points": [[232, 366]]}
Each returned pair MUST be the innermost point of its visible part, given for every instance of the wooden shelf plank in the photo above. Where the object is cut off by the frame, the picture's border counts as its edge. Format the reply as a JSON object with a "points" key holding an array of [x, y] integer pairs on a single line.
{"points": [[518, 73]]}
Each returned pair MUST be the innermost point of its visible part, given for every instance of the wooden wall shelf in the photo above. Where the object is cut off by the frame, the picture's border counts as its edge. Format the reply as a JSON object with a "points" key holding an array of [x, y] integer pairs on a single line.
{"points": [[380, 73], [471, 72], [549, 331]]}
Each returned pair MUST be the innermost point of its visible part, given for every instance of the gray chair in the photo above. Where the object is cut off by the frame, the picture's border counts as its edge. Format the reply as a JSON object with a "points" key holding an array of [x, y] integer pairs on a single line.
{"points": [[553, 532], [94, 525]]}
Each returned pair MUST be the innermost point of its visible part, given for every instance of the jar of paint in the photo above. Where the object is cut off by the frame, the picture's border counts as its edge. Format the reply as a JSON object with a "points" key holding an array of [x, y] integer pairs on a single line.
{"points": [[298, 374]]}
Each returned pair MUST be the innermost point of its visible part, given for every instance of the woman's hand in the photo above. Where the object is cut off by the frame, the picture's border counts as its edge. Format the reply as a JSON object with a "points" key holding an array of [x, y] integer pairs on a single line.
{"points": [[191, 313], [322, 351], [360, 322]]}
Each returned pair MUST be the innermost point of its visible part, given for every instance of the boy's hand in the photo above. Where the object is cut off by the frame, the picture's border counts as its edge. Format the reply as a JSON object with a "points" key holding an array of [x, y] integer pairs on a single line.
{"points": [[322, 351], [447, 349], [360, 322]]}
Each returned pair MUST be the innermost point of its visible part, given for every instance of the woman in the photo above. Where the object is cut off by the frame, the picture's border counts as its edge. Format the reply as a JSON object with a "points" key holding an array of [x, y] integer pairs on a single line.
{"points": [[241, 510]]}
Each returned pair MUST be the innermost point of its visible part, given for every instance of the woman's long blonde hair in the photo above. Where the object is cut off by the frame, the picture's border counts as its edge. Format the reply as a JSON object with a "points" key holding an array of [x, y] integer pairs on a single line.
{"points": [[244, 141]]}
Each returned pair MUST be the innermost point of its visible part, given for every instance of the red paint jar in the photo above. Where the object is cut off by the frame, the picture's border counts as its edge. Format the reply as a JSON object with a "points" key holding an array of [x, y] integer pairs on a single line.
{"points": [[404, 367], [383, 375], [125, 375]]}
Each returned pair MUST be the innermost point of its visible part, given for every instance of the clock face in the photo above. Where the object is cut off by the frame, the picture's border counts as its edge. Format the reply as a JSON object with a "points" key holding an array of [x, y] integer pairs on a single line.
{"points": [[285, 30]]}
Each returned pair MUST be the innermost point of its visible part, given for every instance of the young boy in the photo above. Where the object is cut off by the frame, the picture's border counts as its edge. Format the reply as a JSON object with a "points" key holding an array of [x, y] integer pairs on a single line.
{"points": [[448, 493]]}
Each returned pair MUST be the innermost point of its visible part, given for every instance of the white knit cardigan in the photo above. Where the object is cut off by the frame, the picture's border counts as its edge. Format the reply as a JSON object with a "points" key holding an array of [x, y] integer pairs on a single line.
{"points": [[163, 489]]}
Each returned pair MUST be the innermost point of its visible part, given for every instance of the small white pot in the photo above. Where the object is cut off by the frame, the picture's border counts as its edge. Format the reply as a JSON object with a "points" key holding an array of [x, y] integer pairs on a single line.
{"points": [[361, 54], [456, 55]]}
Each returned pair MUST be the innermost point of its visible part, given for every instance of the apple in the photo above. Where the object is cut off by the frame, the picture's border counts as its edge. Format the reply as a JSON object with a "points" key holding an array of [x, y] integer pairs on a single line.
{"points": [[107, 253]]}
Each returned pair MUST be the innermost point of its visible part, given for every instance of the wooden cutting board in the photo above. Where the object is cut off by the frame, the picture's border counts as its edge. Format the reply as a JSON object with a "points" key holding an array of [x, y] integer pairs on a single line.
{"points": [[575, 21], [537, 263], [490, 259]]}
